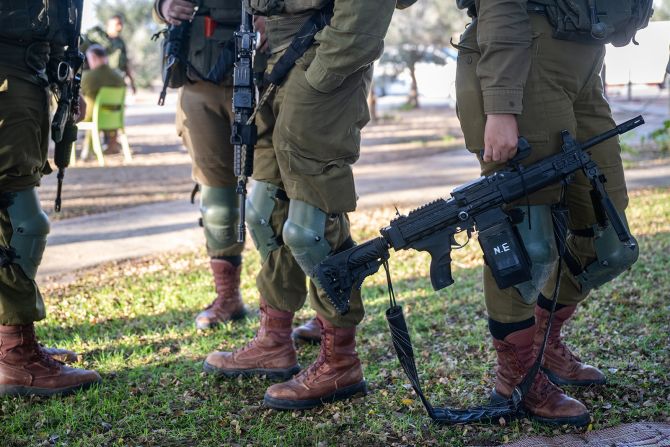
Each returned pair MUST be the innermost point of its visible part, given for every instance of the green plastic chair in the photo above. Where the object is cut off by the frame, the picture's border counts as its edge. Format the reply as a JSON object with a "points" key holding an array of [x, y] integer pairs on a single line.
{"points": [[108, 114]]}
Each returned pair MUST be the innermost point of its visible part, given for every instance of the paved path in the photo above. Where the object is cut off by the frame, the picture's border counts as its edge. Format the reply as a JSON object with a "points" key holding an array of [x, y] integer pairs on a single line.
{"points": [[403, 173]]}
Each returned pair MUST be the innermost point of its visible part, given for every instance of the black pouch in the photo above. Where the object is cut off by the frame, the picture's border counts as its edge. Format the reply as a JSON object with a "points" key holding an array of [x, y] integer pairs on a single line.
{"points": [[597, 21]]}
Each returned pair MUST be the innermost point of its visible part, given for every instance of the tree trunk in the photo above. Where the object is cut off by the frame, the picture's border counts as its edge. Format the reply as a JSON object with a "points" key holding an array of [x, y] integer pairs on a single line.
{"points": [[372, 102], [413, 98]]}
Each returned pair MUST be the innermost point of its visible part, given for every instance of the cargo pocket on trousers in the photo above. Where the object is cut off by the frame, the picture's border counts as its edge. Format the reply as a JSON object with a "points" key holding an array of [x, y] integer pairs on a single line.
{"points": [[318, 131]]}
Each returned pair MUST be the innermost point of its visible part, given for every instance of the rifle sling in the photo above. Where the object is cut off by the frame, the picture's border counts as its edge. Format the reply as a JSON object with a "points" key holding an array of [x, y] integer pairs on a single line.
{"points": [[493, 412], [302, 41]]}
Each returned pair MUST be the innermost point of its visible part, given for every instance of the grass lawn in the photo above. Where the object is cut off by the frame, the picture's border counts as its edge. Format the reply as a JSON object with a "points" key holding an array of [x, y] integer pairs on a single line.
{"points": [[133, 322]]}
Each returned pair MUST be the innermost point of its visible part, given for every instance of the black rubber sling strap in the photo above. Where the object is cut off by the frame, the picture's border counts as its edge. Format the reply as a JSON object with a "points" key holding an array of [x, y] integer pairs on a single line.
{"points": [[303, 39], [403, 347]]}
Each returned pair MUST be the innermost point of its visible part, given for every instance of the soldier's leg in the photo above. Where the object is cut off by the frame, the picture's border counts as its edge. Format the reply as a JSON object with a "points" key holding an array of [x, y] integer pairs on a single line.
{"points": [[547, 110], [281, 283], [204, 111], [595, 255], [25, 367], [316, 173]]}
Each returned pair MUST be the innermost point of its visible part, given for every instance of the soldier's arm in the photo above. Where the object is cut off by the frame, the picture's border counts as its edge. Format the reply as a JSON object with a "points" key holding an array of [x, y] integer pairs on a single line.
{"points": [[353, 40], [504, 36]]}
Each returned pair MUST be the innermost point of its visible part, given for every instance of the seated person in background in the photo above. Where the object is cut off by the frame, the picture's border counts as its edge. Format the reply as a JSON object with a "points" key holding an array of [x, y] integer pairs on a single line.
{"points": [[99, 75]]}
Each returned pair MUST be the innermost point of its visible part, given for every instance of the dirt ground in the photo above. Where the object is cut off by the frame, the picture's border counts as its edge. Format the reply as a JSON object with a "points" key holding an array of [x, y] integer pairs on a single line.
{"points": [[160, 169]]}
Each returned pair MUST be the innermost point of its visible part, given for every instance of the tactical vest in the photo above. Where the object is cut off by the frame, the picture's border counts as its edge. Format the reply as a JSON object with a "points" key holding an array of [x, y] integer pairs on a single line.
{"points": [[597, 21], [29, 30], [589, 21], [212, 28]]}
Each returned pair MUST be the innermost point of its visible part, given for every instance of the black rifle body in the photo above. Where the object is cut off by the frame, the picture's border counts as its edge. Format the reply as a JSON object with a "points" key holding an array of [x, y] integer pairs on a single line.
{"points": [[244, 132], [175, 53], [67, 82], [477, 204]]}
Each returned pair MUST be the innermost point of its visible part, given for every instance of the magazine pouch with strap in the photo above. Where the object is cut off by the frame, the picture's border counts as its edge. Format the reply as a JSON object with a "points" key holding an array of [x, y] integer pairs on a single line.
{"points": [[596, 21], [211, 52]]}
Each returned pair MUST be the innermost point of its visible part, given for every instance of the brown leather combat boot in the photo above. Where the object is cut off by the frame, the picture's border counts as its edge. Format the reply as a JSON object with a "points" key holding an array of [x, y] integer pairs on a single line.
{"points": [[310, 332], [228, 304], [544, 401], [270, 353], [336, 374], [61, 355], [27, 370], [559, 363]]}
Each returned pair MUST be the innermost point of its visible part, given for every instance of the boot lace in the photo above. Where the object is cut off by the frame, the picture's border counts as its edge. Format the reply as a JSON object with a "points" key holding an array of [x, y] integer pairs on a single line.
{"points": [[565, 351], [40, 354]]}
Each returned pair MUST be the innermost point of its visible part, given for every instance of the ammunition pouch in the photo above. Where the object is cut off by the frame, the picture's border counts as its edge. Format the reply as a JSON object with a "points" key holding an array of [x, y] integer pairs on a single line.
{"points": [[211, 49], [605, 21], [275, 7], [613, 257], [504, 251]]}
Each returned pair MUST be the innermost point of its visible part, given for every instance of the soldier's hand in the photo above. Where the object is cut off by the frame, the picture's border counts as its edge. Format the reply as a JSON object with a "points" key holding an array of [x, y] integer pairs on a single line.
{"points": [[501, 136], [259, 26], [176, 11]]}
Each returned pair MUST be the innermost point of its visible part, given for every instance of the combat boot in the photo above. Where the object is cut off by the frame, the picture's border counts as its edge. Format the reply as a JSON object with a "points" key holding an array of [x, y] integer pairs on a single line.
{"points": [[270, 353], [61, 355], [559, 363], [228, 303], [27, 370], [544, 401], [336, 374], [309, 332]]}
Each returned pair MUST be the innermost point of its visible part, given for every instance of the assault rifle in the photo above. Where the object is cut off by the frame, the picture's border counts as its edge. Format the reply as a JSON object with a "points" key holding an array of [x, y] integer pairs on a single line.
{"points": [[174, 54], [244, 132], [67, 84], [475, 205]]}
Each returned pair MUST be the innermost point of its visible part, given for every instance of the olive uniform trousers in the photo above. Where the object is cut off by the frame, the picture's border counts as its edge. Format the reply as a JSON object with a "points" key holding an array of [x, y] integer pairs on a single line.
{"points": [[308, 141], [204, 118], [563, 92], [24, 134]]}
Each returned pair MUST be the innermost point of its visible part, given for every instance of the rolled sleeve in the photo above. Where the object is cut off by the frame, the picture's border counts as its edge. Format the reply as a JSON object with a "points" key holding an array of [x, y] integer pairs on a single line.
{"points": [[504, 36], [353, 40]]}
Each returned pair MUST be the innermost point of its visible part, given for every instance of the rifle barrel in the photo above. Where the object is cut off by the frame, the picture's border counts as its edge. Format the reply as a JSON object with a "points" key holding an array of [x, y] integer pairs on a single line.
{"points": [[618, 130]]}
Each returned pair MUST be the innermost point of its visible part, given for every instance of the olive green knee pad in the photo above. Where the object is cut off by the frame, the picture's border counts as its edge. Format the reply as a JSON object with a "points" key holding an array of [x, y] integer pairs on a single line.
{"points": [[541, 247], [613, 258], [259, 208], [304, 234], [30, 226], [220, 215]]}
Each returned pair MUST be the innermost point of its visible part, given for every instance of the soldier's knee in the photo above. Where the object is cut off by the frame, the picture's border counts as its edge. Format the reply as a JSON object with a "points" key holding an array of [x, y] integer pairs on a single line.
{"points": [[259, 207], [220, 215], [30, 227], [304, 234]]}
